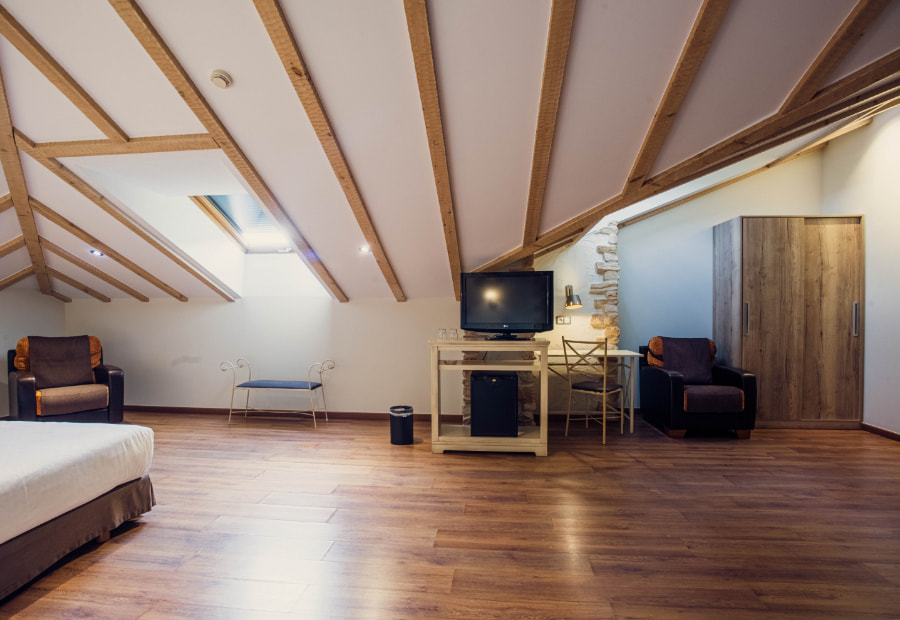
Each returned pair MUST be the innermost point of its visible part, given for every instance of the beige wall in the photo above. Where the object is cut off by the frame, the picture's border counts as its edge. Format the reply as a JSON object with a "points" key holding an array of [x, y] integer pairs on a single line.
{"points": [[26, 313], [171, 351], [859, 176], [666, 277]]}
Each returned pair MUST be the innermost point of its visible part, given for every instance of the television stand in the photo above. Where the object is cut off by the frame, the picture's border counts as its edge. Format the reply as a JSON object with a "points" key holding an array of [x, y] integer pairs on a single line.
{"points": [[459, 437], [506, 337]]}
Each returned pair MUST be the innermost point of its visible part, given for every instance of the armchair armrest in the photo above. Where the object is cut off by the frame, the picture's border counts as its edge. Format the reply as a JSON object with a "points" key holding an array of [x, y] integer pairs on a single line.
{"points": [[114, 379], [22, 395], [727, 375], [662, 395]]}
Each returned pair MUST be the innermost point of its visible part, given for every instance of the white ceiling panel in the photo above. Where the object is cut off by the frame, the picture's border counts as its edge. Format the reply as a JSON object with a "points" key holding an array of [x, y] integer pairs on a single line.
{"points": [[592, 123], [14, 262], [372, 101], [37, 107], [275, 134], [96, 48], [763, 48], [878, 41], [84, 277], [178, 174], [489, 58], [9, 226]]}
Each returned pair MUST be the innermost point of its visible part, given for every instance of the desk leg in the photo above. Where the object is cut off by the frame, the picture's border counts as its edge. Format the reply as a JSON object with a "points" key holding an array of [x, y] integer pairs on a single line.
{"points": [[435, 398], [631, 381]]}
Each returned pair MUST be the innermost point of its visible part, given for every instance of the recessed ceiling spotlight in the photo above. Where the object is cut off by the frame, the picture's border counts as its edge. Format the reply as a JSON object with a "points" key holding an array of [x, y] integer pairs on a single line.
{"points": [[97, 253], [220, 78], [365, 249]]}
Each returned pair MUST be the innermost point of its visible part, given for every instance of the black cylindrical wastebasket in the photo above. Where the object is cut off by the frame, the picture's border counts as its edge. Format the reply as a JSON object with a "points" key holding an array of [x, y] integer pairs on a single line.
{"points": [[401, 425]]}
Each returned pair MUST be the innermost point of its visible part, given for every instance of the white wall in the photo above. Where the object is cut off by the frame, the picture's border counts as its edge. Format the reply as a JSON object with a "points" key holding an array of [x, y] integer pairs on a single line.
{"points": [[860, 176], [666, 277], [171, 350], [26, 313], [666, 260]]}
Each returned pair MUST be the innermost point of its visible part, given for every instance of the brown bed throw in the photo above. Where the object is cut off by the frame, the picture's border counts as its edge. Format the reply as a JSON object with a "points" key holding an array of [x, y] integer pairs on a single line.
{"points": [[58, 362]]}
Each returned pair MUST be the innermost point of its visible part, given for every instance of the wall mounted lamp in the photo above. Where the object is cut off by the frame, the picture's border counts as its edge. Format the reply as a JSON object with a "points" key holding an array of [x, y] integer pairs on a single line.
{"points": [[572, 300]]}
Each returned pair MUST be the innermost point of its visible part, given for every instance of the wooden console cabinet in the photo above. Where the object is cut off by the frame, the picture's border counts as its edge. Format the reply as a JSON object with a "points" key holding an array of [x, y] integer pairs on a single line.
{"points": [[788, 307], [458, 437]]}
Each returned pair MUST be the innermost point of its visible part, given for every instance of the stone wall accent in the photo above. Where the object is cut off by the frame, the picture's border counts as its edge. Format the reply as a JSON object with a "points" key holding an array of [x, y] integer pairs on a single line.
{"points": [[605, 290]]}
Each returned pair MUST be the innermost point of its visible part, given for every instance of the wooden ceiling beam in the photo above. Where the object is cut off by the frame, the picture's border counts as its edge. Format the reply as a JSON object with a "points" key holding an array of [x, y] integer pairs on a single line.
{"points": [[17, 277], [562, 16], [139, 228], [848, 34], [49, 246], [884, 95], [423, 59], [286, 46], [879, 96], [78, 285], [11, 246], [135, 146], [136, 21], [847, 106], [701, 38], [18, 190], [92, 241], [61, 297], [53, 71], [845, 92], [6, 202]]}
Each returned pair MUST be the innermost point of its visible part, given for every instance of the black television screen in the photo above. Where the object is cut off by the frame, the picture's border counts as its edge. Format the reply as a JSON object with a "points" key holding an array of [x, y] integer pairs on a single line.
{"points": [[507, 303]]}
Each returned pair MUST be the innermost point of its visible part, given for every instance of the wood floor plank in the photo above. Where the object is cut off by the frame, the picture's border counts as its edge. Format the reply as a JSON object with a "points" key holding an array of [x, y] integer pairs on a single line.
{"points": [[267, 519]]}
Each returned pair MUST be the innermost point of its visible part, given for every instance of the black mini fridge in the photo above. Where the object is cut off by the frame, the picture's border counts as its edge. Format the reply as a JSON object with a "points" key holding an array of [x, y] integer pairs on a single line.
{"points": [[495, 404]]}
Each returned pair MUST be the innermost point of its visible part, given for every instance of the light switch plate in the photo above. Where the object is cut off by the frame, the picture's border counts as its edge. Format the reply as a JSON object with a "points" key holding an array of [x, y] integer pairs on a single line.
{"points": [[563, 320]]}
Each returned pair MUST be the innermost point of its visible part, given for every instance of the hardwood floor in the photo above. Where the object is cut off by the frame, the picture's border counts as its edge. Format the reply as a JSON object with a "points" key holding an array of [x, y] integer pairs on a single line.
{"points": [[272, 519]]}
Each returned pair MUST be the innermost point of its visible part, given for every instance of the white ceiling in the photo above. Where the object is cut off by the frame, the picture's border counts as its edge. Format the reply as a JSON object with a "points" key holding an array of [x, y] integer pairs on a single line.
{"points": [[489, 58]]}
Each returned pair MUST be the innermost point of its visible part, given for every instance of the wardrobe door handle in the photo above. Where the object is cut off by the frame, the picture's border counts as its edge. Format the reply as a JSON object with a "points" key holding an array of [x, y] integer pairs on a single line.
{"points": [[856, 318], [746, 318]]}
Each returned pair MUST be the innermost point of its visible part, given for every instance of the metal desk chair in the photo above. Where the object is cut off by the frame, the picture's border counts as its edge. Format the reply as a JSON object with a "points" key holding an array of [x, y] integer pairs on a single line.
{"points": [[586, 370]]}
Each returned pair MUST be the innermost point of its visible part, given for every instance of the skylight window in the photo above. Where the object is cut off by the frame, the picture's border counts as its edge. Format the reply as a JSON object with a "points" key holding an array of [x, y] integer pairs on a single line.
{"points": [[243, 219]]}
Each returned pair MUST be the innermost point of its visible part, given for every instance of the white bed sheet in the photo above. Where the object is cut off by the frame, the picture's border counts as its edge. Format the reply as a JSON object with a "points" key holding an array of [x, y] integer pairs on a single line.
{"points": [[49, 468]]}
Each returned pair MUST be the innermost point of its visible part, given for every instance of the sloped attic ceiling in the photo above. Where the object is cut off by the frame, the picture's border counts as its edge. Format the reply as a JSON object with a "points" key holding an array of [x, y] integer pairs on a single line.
{"points": [[447, 135]]}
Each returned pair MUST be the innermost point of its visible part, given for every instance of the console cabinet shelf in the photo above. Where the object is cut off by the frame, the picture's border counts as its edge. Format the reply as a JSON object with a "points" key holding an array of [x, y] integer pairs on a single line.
{"points": [[457, 436]]}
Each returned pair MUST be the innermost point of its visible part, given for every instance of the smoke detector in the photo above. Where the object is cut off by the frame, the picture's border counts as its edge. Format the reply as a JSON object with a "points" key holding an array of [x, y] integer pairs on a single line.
{"points": [[220, 78]]}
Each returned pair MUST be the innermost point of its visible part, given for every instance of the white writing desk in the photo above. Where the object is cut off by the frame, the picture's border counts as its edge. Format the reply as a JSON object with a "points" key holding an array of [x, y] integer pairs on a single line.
{"points": [[628, 360]]}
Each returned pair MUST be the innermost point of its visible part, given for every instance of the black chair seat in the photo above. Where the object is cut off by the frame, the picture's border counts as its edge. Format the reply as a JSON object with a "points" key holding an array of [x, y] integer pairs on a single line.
{"points": [[596, 387]]}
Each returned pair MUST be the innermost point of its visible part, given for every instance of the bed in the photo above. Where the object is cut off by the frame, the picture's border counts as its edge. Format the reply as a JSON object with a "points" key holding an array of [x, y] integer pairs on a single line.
{"points": [[64, 484]]}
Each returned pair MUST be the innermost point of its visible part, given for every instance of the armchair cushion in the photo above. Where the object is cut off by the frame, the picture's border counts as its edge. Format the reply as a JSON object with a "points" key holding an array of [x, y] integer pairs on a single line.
{"points": [[713, 399], [58, 362], [691, 357], [72, 399]]}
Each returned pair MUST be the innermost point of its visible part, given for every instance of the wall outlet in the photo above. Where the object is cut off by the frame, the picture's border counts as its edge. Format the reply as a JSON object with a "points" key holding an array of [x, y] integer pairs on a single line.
{"points": [[563, 320]]}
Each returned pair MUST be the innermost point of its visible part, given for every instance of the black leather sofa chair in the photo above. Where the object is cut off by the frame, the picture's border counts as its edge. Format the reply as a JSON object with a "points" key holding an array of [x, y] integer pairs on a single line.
{"points": [[684, 389], [97, 393]]}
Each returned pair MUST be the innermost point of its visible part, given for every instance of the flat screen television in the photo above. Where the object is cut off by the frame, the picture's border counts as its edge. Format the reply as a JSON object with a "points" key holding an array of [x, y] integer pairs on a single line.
{"points": [[504, 304]]}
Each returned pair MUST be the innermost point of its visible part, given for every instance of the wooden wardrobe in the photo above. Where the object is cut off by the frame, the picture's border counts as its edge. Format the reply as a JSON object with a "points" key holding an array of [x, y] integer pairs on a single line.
{"points": [[788, 307]]}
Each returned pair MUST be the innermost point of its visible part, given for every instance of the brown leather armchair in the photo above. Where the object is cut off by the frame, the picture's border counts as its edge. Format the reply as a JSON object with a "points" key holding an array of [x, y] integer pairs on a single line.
{"points": [[683, 389], [63, 380]]}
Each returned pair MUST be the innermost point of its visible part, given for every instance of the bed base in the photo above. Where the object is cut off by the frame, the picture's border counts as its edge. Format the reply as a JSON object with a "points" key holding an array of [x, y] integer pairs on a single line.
{"points": [[28, 555]]}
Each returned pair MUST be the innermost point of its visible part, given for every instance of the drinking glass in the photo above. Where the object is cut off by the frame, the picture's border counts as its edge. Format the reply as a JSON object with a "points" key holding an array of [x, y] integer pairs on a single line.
{"points": [[442, 335]]}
